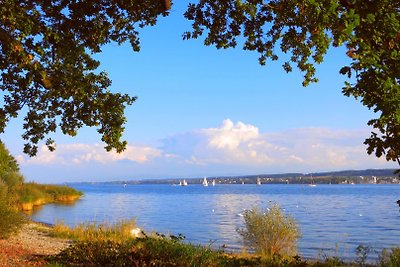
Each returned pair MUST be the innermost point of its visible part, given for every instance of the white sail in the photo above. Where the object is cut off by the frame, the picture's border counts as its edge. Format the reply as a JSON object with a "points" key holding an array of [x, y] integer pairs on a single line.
{"points": [[258, 181], [213, 182], [205, 182], [184, 183]]}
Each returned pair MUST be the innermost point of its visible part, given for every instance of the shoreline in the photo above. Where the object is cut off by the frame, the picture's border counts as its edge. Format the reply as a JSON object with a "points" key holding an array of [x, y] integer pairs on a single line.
{"points": [[29, 245]]}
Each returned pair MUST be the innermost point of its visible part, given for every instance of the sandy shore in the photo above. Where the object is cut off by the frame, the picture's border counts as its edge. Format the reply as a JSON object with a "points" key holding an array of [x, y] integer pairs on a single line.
{"points": [[28, 246]]}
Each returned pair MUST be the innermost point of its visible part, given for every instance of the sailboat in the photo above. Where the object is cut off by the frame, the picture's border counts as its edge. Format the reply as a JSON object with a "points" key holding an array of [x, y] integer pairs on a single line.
{"points": [[205, 182], [213, 182], [258, 181], [184, 183], [312, 182]]}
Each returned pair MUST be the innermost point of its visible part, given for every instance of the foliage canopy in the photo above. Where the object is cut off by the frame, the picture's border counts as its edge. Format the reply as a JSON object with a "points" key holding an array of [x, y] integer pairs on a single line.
{"points": [[47, 68]]}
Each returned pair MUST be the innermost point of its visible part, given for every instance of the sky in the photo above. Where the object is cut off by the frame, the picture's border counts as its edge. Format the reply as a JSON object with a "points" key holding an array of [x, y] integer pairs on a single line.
{"points": [[208, 112]]}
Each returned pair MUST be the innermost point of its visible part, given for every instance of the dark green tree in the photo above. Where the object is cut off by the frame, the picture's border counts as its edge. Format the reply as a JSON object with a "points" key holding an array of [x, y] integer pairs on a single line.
{"points": [[47, 70], [7, 161], [10, 178], [305, 30]]}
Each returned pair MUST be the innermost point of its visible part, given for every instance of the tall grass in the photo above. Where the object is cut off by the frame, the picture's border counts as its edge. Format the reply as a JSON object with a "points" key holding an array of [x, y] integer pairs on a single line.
{"points": [[390, 258], [30, 192], [57, 192], [118, 232]]}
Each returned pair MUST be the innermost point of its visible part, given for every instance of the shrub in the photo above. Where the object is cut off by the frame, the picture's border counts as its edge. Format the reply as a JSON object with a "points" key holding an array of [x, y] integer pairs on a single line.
{"points": [[270, 233], [7, 162], [10, 220], [171, 251], [3, 191], [96, 253], [12, 178], [148, 251]]}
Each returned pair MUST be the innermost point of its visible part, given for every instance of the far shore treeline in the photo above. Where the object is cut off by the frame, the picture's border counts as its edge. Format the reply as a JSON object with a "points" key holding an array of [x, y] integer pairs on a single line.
{"points": [[370, 176]]}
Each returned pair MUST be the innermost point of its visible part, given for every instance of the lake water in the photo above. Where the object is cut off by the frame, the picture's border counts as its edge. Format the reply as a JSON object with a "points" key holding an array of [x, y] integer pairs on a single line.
{"points": [[334, 219]]}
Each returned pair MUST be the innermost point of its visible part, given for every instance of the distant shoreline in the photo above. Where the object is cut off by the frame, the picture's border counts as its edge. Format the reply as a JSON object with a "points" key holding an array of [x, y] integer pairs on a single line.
{"points": [[369, 176]]}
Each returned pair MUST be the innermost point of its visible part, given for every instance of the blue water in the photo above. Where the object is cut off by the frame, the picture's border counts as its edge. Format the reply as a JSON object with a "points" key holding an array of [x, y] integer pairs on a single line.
{"points": [[334, 219]]}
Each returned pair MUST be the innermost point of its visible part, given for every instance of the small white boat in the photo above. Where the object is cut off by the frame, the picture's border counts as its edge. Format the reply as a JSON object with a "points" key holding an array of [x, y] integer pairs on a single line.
{"points": [[213, 182], [258, 181], [205, 182], [184, 183], [312, 183]]}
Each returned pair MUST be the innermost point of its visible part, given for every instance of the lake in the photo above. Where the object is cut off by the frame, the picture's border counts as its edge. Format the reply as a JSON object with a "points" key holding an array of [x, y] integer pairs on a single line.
{"points": [[334, 219]]}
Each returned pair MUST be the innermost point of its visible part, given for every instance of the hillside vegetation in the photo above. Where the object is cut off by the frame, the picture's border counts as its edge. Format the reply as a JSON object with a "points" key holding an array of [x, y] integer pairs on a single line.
{"points": [[17, 195]]}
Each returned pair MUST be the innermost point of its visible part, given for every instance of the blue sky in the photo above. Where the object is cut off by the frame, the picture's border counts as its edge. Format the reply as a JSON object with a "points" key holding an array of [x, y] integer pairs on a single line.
{"points": [[205, 112]]}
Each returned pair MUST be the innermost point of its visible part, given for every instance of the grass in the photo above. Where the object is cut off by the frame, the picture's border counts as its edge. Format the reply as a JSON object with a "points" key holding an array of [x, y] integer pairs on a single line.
{"points": [[112, 245], [59, 192], [390, 258], [118, 232], [31, 192]]}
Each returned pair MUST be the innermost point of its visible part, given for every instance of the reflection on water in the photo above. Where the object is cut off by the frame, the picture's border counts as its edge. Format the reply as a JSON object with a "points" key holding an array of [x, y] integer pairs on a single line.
{"points": [[333, 218]]}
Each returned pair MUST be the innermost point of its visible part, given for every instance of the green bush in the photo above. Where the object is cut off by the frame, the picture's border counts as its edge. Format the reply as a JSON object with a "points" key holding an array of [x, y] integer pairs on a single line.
{"points": [[270, 233], [96, 253], [7, 161], [12, 179], [148, 251], [167, 251], [10, 220], [3, 191]]}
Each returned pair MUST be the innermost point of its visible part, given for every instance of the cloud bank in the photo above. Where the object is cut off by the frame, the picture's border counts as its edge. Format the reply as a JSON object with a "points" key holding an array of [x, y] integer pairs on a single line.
{"points": [[227, 149], [242, 144], [76, 154]]}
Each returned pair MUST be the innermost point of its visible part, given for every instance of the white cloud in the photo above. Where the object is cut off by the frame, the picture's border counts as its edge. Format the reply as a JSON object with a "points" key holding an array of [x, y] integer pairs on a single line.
{"points": [[230, 136], [69, 154], [227, 149], [242, 144]]}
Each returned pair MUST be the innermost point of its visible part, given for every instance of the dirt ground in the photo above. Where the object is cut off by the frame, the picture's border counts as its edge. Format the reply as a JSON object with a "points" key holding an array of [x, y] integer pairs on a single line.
{"points": [[28, 247]]}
